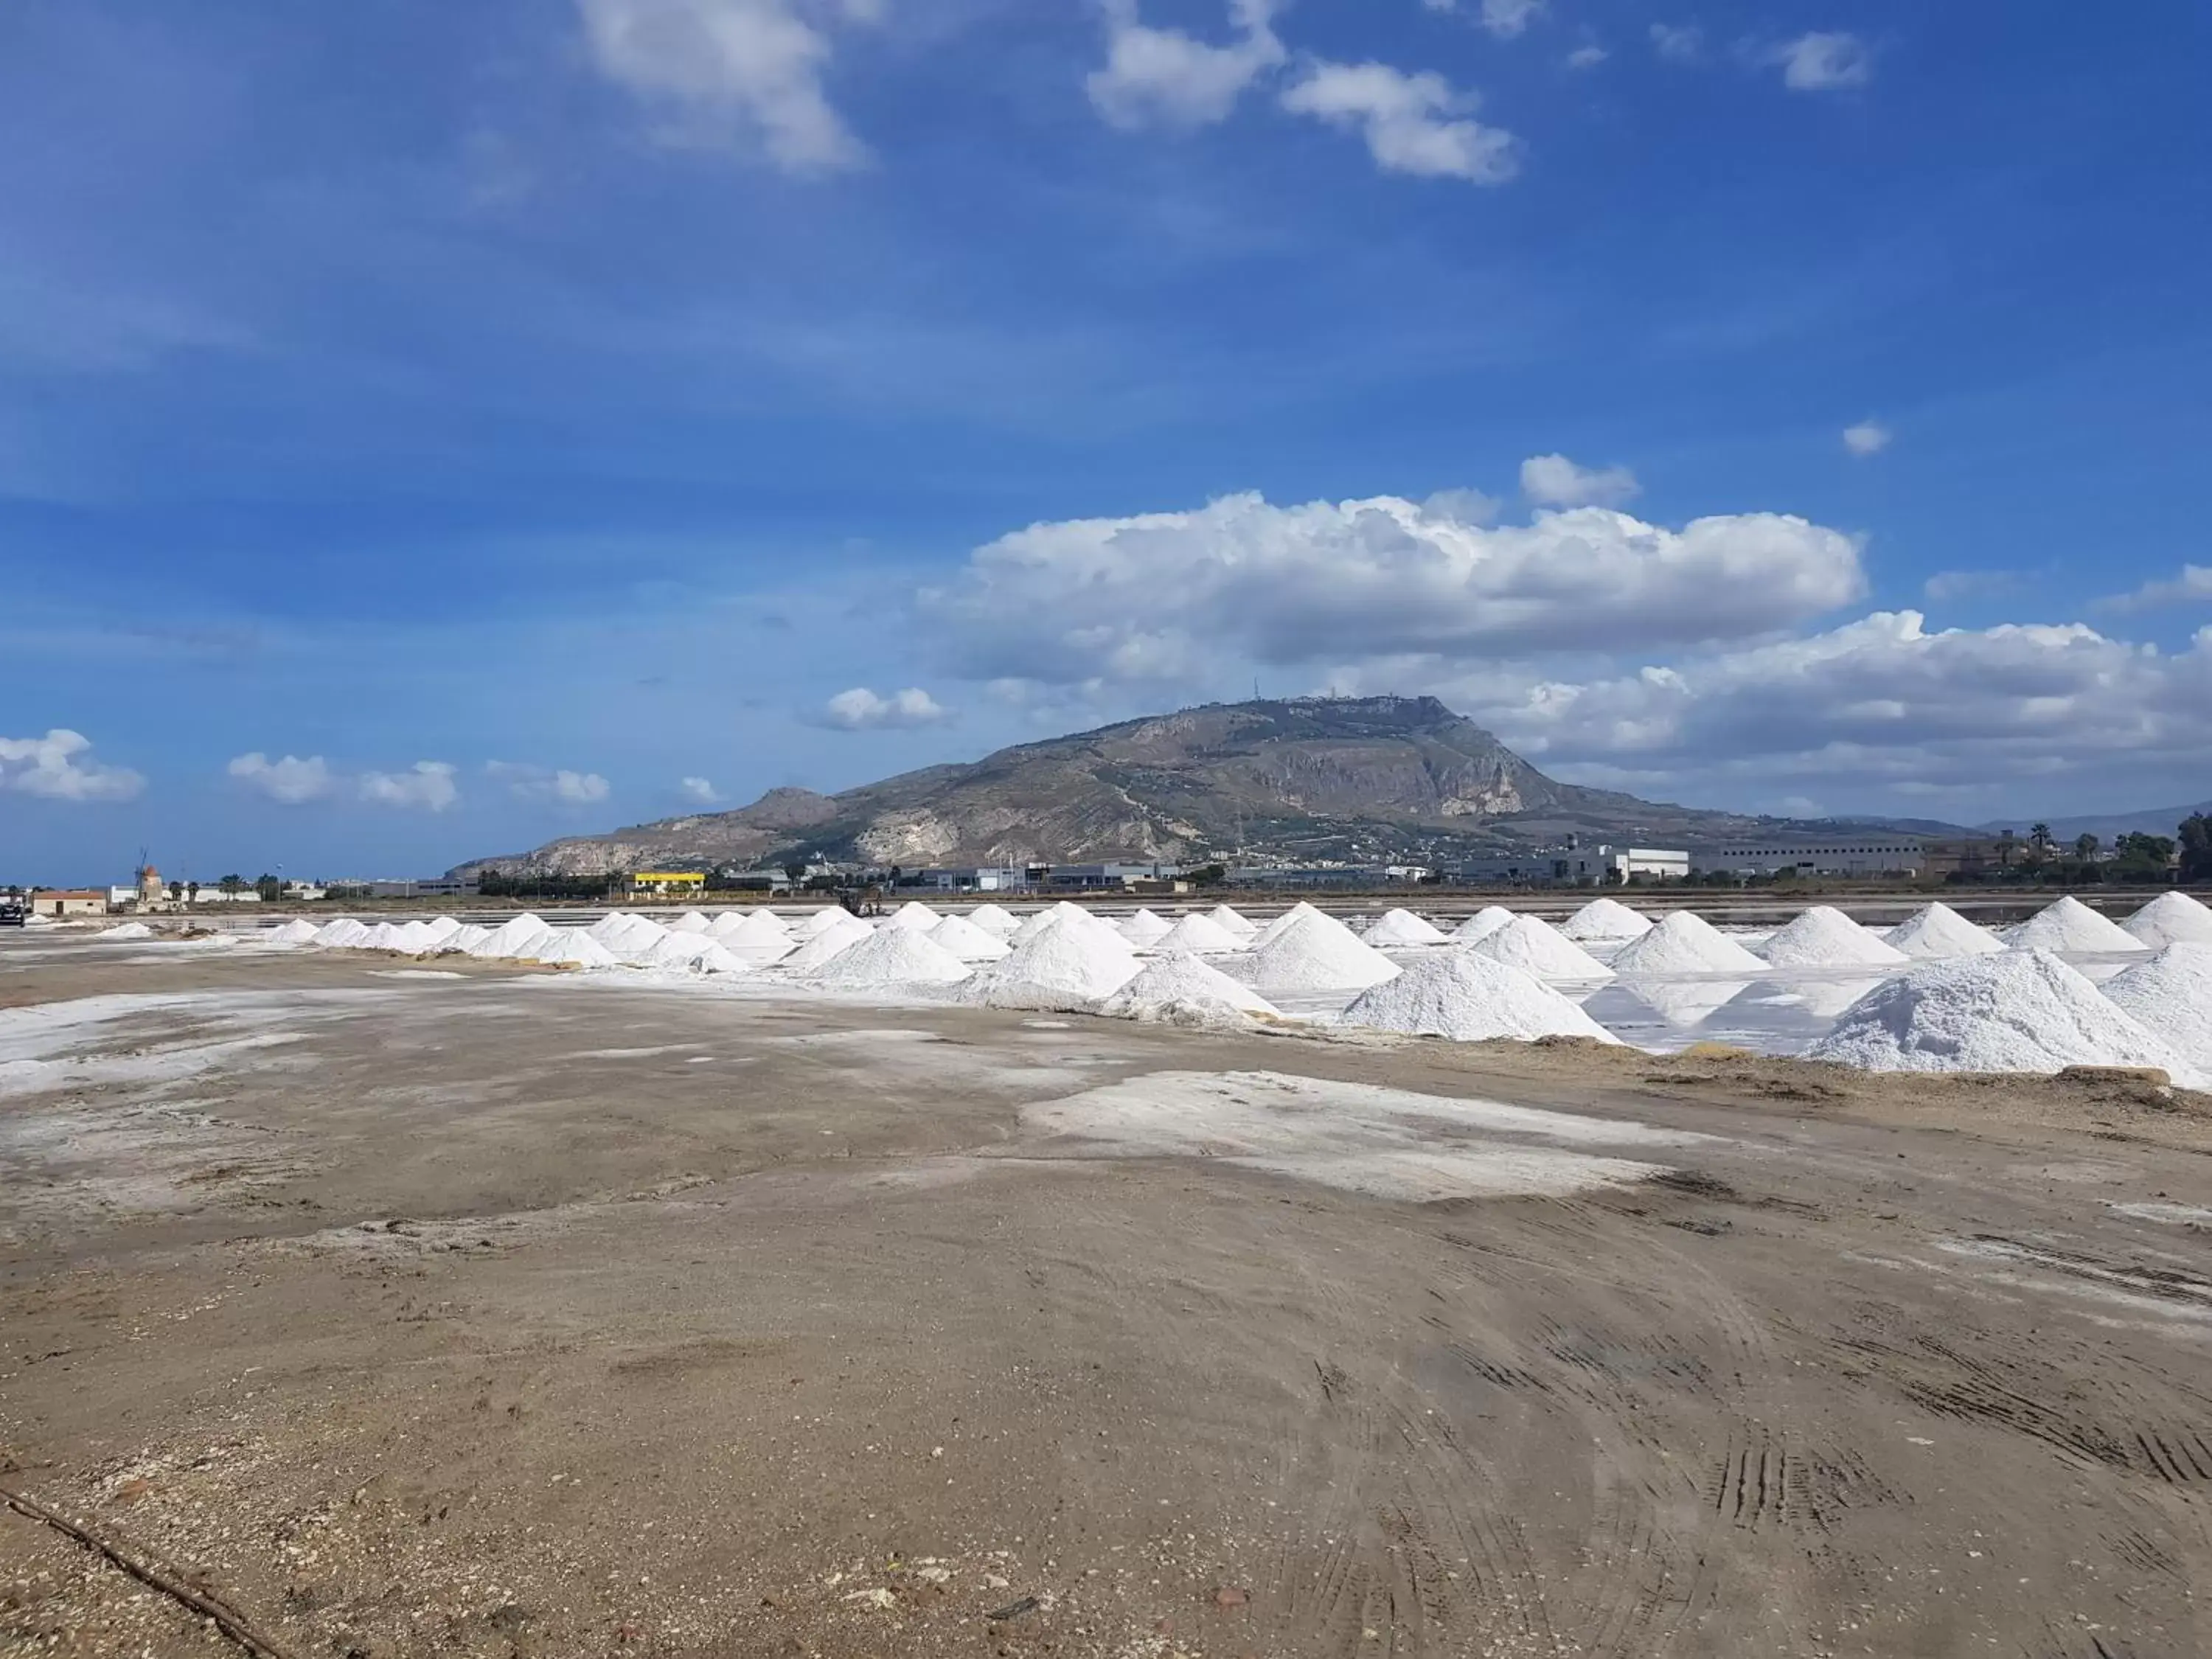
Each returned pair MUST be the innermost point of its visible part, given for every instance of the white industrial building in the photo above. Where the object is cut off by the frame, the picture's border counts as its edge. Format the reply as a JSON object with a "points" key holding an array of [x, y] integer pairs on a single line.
{"points": [[1876, 855]]}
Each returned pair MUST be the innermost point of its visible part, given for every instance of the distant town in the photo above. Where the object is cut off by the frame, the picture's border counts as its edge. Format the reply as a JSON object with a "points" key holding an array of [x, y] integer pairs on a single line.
{"points": [[2034, 858]]}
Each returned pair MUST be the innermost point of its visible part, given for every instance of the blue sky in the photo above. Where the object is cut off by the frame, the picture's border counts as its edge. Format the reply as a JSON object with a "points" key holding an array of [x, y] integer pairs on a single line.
{"points": [[425, 430]]}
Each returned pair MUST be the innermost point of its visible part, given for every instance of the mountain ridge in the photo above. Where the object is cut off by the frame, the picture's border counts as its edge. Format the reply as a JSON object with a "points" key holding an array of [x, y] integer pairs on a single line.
{"points": [[1352, 778]]}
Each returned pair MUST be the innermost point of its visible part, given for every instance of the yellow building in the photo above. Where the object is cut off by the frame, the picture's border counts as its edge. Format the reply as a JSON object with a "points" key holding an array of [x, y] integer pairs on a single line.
{"points": [[667, 884]]}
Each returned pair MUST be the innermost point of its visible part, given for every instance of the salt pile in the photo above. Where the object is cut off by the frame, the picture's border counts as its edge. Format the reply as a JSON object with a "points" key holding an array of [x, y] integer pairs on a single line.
{"points": [[1181, 990], [1315, 952], [339, 933], [915, 915], [609, 928], [569, 947], [1145, 928], [2073, 927], [2023, 1010], [820, 921], [2170, 996], [1604, 920], [1199, 933], [891, 955], [125, 931], [298, 931], [1070, 961], [1228, 921], [731, 922], [1274, 929], [1535, 947], [465, 939], [1824, 937], [2170, 919], [1482, 924], [674, 949], [1400, 928], [965, 940], [717, 959], [759, 937], [992, 919], [689, 922], [1063, 915], [1471, 998], [513, 938], [826, 944], [1685, 944], [1937, 930]]}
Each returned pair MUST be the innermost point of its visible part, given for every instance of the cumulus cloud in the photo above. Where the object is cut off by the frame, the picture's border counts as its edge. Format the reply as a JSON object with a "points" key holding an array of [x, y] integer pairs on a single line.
{"points": [[699, 790], [290, 781], [1867, 438], [727, 71], [1158, 77], [1948, 584], [1882, 699], [1506, 19], [59, 766], [1582, 58], [1555, 481], [1171, 597], [426, 786], [1829, 61], [1678, 43], [2192, 586], [1412, 123], [861, 710], [558, 786]]}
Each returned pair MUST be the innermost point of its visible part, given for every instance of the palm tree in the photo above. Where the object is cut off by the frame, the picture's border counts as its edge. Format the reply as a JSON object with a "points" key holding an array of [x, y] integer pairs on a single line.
{"points": [[2085, 848]]}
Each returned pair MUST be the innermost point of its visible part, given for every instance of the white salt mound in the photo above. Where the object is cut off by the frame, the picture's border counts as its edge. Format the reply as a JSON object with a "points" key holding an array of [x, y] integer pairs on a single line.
{"points": [[2072, 926], [1603, 919], [891, 955], [1937, 930], [1199, 933], [820, 921], [2170, 996], [1316, 952], [2170, 919], [570, 947], [512, 937], [1482, 924], [1534, 946], [1181, 990], [1824, 937], [717, 958], [689, 922], [675, 950], [465, 939], [1472, 997], [759, 930], [1143, 928], [1397, 929], [826, 944], [1071, 960], [609, 928], [125, 931], [915, 915], [992, 919], [1685, 944], [965, 940], [298, 931], [1274, 929], [444, 927], [1063, 915], [1227, 920], [2022, 1011]]}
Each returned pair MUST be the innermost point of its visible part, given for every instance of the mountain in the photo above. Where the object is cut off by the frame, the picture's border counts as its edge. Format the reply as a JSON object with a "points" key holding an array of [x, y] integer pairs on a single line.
{"points": [[2106, 826], [1354, 778]]}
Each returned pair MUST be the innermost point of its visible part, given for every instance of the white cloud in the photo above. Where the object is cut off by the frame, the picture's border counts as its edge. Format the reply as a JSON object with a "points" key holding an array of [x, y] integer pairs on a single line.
{"points": [[290, 781], [542, 783], [861, 710], [1507, 18], [1678, 43], [2192, 586], [426, 786], [1414, 124], [1166, 78], [1948, 584], [57, 767], [1867, 438], [1881, 700], [1582, 58], [699, 790], [723, 71], [1555, 481], [1176, 597], [1824, 62]]}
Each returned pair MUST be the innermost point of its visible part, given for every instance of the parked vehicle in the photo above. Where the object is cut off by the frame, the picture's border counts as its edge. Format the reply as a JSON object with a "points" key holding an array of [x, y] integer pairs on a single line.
{"points": [[13, 913]]}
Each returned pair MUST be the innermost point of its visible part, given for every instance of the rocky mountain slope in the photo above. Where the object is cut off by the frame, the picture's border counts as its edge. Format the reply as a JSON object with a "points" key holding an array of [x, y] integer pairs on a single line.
{"points": [[1356, 777]]}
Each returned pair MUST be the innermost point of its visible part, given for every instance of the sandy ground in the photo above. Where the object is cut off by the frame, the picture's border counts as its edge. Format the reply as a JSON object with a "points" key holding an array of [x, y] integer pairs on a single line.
{"points": [[511, 1314]]}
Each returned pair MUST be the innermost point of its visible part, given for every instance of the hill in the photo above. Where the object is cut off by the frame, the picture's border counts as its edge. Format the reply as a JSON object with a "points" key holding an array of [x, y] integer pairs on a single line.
{"points": [[1358, 778], [2108, 826]]}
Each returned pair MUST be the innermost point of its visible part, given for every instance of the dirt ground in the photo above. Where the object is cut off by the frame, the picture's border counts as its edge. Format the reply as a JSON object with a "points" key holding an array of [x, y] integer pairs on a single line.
{"points": [[507, 1315]]}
